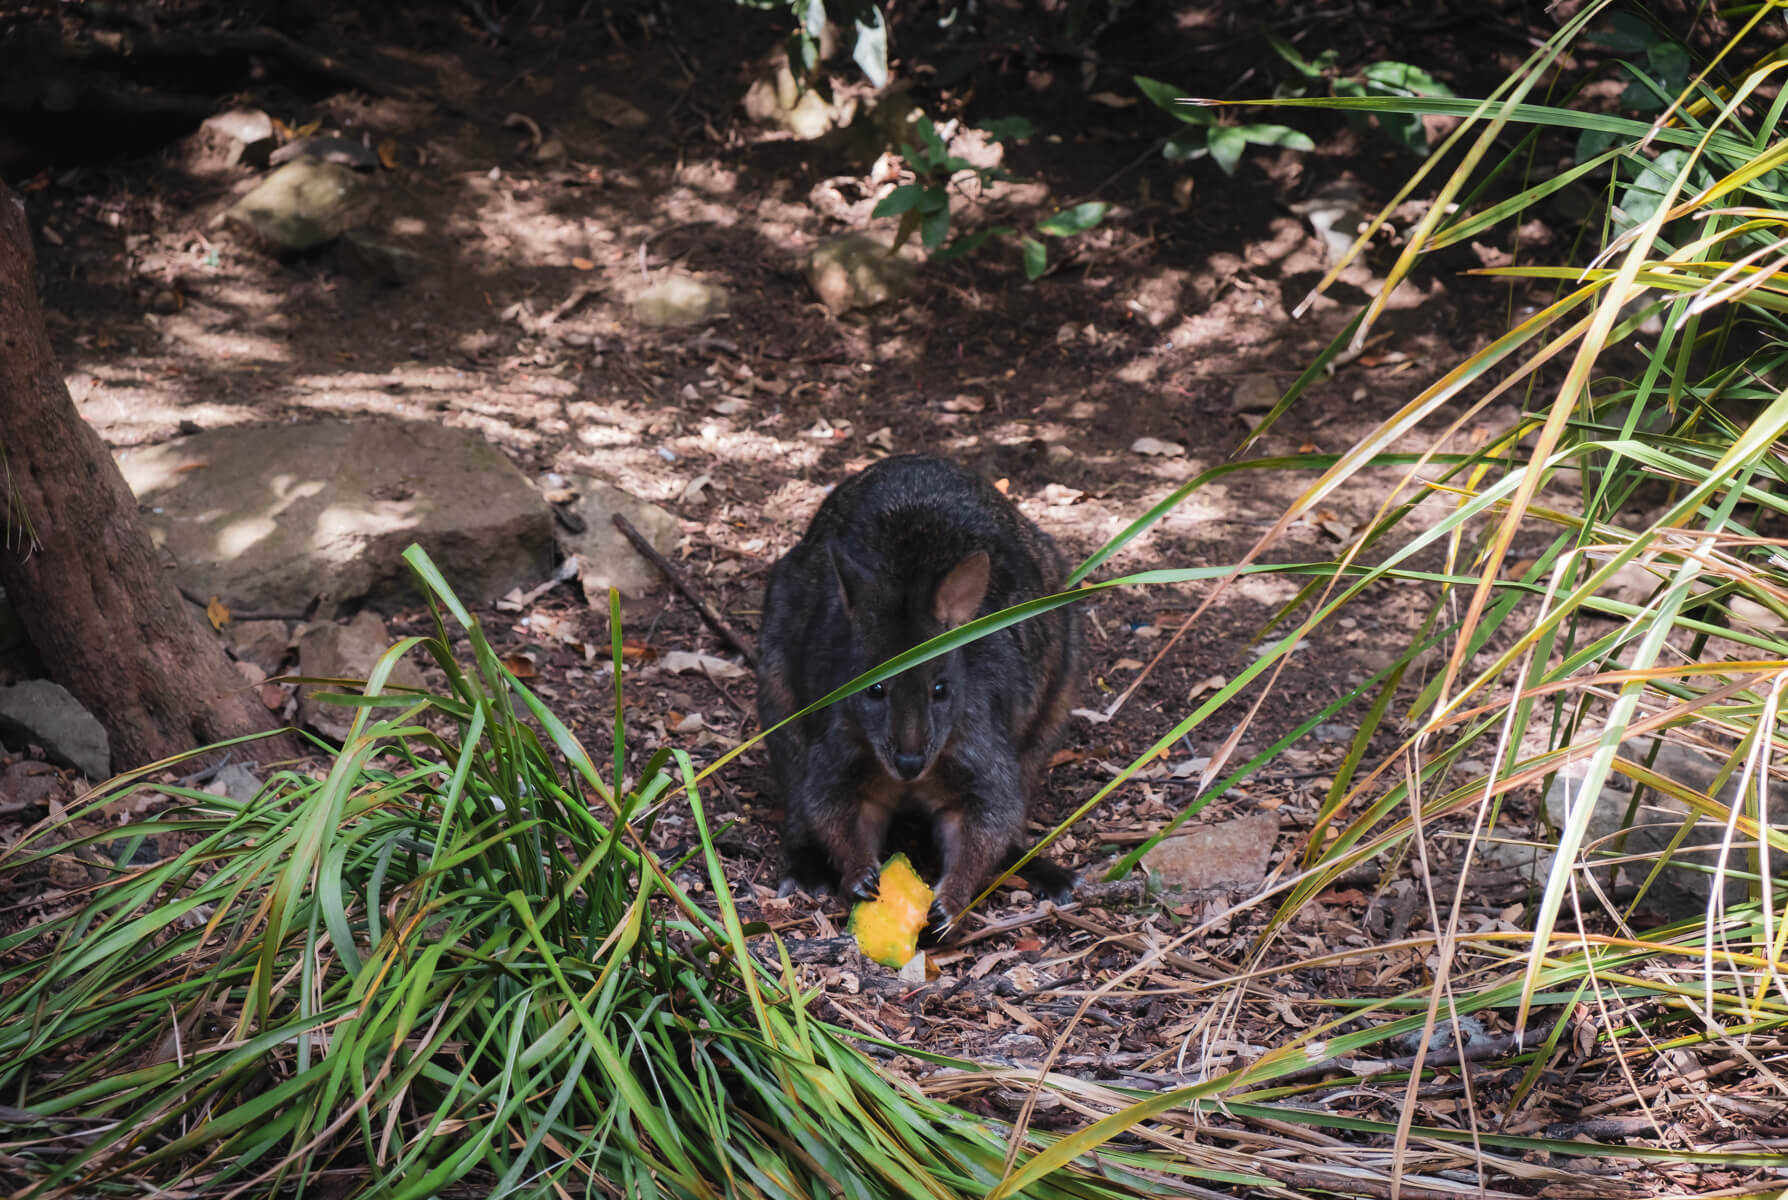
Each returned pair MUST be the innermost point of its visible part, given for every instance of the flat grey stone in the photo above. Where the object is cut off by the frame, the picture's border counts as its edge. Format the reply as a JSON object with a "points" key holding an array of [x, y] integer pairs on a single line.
{"points": [[263, 643], [269, 517], [238, 781], [679, 300], [608, 558], [856, 271], [1682, 889], [1226, 854], [349, 651], [44, 714]]}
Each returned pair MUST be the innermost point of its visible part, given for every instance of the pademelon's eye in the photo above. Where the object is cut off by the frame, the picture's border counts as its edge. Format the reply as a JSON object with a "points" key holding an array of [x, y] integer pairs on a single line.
{"points": [[876, 691], [940, 690]]}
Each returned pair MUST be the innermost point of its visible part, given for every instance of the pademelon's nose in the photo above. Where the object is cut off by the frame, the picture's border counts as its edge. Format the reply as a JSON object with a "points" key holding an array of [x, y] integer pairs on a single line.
{"points": [[909, 765]]}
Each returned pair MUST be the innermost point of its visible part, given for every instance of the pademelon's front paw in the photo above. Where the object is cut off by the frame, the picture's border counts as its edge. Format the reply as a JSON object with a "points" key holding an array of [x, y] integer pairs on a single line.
{"points": [[940, 924], [865, 884]]}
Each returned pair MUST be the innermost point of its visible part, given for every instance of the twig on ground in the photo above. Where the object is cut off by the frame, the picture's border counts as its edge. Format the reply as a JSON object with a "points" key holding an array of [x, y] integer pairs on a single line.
{"points": [[715, 621]]}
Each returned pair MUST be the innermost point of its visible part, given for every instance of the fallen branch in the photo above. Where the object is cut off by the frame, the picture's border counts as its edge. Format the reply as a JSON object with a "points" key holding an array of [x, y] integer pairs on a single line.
{"points": [[706, 611]]}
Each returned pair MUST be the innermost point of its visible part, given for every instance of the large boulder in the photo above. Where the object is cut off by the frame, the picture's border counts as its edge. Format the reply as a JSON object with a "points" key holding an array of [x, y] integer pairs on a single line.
{"points": [[269, 517]]}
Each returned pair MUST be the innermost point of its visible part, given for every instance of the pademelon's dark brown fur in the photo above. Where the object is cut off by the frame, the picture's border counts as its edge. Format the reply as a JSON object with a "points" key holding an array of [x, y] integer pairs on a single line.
{"points": [[897, 554]]}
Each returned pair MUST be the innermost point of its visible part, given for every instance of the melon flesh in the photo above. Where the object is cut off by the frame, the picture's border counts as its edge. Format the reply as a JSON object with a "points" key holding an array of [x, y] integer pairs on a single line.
{"points": [[887, 928]]}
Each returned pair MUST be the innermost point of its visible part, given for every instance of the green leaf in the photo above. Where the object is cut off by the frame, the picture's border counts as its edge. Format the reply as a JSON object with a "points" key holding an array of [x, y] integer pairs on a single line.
{"points": [[1631, 34], [935, 227], [1187, 145], [1642, 97], [1406, 129], [1071, 221], [1276, 135], [1166, 97], [1594, 142], [968, 243], [1671, 63], [871, 51], [1227, 145], [1001, 129], [900, 200], [1642, 197], [1284, 50], [1404, 79], [1036, 257]]}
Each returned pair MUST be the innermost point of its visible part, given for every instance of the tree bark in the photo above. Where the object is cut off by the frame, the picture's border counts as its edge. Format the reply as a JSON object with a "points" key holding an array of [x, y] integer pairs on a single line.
{"points": [[105, 617]]}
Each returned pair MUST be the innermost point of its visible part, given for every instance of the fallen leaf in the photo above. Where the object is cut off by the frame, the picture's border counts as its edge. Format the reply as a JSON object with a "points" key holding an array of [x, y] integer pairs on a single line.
{"points": [[699, 489], [216, 613], [1209, 683], [882, 438], [387, 152], [1112, 99], [692, 723], [1060, 494], [728, 406], [583, 264], [1093, 715], [1004, 486], [964, 402], [520, 665], [683, 662], [632, 648], [1127, 664], [1157, 448]]}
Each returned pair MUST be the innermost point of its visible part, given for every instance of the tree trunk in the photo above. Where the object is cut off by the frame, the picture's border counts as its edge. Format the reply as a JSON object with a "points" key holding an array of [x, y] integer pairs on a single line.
{"points": [[105, 617]]}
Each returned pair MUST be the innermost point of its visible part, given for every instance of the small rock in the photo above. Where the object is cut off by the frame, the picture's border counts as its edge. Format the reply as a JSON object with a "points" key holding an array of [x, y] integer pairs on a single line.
{"points": [[778, 98], [612, 110], [1227, 854], [679, 300], [1256, 392], [1448, 1034], [856, 271], [44, 714], [1156, 448], [243, 134], [1020, 1047], [305, 203], [1057, 454], [244, 124], [237, 781], [1336, 213], [263, 643], [607, 558], [350, 651]]}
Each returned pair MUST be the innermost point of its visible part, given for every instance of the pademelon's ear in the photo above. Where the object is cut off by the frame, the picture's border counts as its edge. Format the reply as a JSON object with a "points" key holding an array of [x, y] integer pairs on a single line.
{"points": [[960, 593], [854, 580]]}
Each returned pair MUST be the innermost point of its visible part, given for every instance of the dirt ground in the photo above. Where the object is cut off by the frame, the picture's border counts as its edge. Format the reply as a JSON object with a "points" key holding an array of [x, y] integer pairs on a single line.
{"points": [[167, 320]]}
